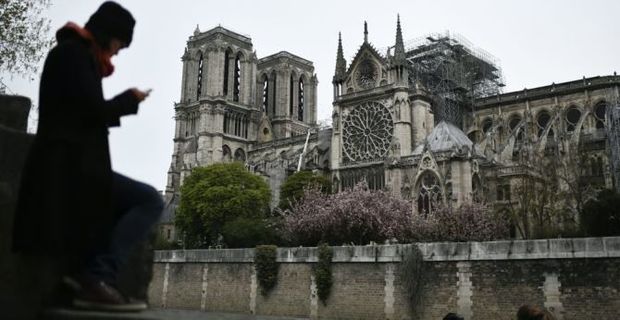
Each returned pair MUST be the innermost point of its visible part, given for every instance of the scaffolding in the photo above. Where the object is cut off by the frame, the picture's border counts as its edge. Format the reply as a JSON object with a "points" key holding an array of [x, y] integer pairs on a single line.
{"points": [[454, 72]]}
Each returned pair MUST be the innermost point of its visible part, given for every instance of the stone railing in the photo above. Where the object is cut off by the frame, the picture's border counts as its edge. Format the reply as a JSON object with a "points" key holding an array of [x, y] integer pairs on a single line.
{"points": [[435, 251]]}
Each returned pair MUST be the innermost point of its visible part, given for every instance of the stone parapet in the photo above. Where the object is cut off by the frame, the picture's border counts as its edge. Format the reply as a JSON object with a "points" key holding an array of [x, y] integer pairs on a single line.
{"points": [[575, 248]]}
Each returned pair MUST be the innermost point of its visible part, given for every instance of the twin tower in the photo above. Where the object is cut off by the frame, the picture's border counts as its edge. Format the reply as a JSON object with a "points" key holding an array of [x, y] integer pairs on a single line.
{"points": [[232, 101]]}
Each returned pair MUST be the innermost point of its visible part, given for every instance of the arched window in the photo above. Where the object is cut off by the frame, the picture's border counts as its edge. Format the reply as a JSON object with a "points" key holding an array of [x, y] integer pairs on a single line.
{"points": [[265, 93], [429, 193], [193, 119], [227, 55], [514, 122], [291, 97], [301, 100], [573, 114], [226, 154], [226, 116], [274, 92], [599, 114], [542, 120], [199, 84], [237, 82], [486, 125], [239, 155]]}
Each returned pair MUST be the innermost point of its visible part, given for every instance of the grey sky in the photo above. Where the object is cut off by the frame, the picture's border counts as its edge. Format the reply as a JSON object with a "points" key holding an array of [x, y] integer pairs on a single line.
{"points": [[537, 43]]}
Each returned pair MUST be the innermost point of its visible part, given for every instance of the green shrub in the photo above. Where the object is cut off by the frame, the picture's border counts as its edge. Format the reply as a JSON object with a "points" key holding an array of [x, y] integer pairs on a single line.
{"points": [[248, 233], [215, 195], [292, 189], [266, 267], [323, 272]]}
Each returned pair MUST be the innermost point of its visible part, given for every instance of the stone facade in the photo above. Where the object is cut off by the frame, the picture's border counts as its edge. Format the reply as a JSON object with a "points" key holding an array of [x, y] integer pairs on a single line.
{"points": [[398, 128], [394, 123], [573, 278]]}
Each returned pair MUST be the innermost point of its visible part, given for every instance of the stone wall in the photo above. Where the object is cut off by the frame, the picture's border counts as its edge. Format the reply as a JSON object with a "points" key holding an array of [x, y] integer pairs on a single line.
{"points": [[574, 278]]}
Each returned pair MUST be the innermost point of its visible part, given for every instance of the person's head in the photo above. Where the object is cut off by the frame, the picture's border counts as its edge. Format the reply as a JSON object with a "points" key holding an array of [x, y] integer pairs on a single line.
{"points": [[533, 313], [111, 26], [452, 316]]}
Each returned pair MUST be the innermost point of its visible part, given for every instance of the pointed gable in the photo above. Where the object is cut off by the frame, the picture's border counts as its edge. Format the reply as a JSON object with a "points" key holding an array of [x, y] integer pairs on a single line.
{"points": [[365, 50]]}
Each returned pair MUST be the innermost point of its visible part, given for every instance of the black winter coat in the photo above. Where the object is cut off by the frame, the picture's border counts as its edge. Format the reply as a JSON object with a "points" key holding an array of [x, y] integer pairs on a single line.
{"points": [[65, 201]]}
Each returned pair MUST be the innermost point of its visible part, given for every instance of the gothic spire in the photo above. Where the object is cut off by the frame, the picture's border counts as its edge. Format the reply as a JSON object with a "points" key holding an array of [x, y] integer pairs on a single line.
{"points": [[341, 64], [399, 46], [365, 32]]}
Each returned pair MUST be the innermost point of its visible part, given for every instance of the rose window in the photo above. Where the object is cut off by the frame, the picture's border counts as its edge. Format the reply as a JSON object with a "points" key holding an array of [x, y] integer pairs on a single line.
{"points": [[367, 132]]}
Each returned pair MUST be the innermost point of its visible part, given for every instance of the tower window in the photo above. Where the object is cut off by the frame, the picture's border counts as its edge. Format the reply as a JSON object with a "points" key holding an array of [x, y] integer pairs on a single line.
{"points": [[265, 93], [274, 92], [226, 71], [291, 98], [300, 107], [199, 84], [237, 84], [226, 119]]}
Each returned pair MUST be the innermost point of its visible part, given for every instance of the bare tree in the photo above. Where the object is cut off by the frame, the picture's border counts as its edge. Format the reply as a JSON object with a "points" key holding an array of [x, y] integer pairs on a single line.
{"points": [[24, 38], [550, 188]]}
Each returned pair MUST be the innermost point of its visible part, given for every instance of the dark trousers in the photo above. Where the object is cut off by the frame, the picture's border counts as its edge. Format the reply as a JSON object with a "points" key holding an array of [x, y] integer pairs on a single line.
{"points": [[138, 207]]}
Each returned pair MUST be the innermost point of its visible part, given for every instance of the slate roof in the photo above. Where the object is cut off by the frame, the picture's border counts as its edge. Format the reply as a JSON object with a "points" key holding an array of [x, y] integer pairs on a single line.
{"points": [[446, 137]]}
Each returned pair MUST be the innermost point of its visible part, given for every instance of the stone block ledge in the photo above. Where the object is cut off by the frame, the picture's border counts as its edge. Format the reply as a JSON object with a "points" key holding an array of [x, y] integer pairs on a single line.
{"points": [[575, 248]]}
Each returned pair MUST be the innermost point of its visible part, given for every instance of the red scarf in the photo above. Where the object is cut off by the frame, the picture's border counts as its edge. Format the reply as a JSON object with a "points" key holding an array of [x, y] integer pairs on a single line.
{"points": [[103, 56]]}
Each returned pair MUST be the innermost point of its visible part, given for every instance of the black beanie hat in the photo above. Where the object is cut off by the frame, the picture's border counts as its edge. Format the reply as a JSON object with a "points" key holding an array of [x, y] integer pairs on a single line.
{"points": [[111, 21]]}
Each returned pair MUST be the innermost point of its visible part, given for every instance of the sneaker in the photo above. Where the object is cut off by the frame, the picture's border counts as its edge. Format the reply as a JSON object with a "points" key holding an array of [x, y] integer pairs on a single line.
{"points": [[71, 283], [100, 296]]}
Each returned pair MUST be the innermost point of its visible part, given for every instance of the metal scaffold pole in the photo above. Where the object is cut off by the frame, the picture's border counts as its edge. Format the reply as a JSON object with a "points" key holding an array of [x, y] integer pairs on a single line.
{"points": [[301, 156]]}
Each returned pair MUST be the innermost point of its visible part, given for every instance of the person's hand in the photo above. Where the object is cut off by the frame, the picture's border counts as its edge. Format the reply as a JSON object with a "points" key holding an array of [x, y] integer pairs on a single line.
{"points": [[140, 95]]}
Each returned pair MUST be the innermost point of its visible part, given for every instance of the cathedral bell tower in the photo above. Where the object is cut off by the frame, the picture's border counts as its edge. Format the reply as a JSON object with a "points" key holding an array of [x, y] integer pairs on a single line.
{"points": [[216, 117]]}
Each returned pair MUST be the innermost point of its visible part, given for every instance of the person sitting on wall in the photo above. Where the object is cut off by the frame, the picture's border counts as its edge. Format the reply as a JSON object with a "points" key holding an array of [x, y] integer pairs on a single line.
{"points": [[71, 203]]}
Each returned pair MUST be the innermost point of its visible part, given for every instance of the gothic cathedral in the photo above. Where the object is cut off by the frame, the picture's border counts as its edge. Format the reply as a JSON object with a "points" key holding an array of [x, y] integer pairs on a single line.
{"points": [[427, 121]]}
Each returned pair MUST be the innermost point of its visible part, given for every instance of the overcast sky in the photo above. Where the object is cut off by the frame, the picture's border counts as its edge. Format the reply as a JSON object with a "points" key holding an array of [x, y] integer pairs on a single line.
{"points": [[536, 42]]}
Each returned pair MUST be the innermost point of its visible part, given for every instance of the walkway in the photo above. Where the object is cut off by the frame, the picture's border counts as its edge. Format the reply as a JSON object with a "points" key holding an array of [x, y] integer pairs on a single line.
{"points": [[155, 314]]}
